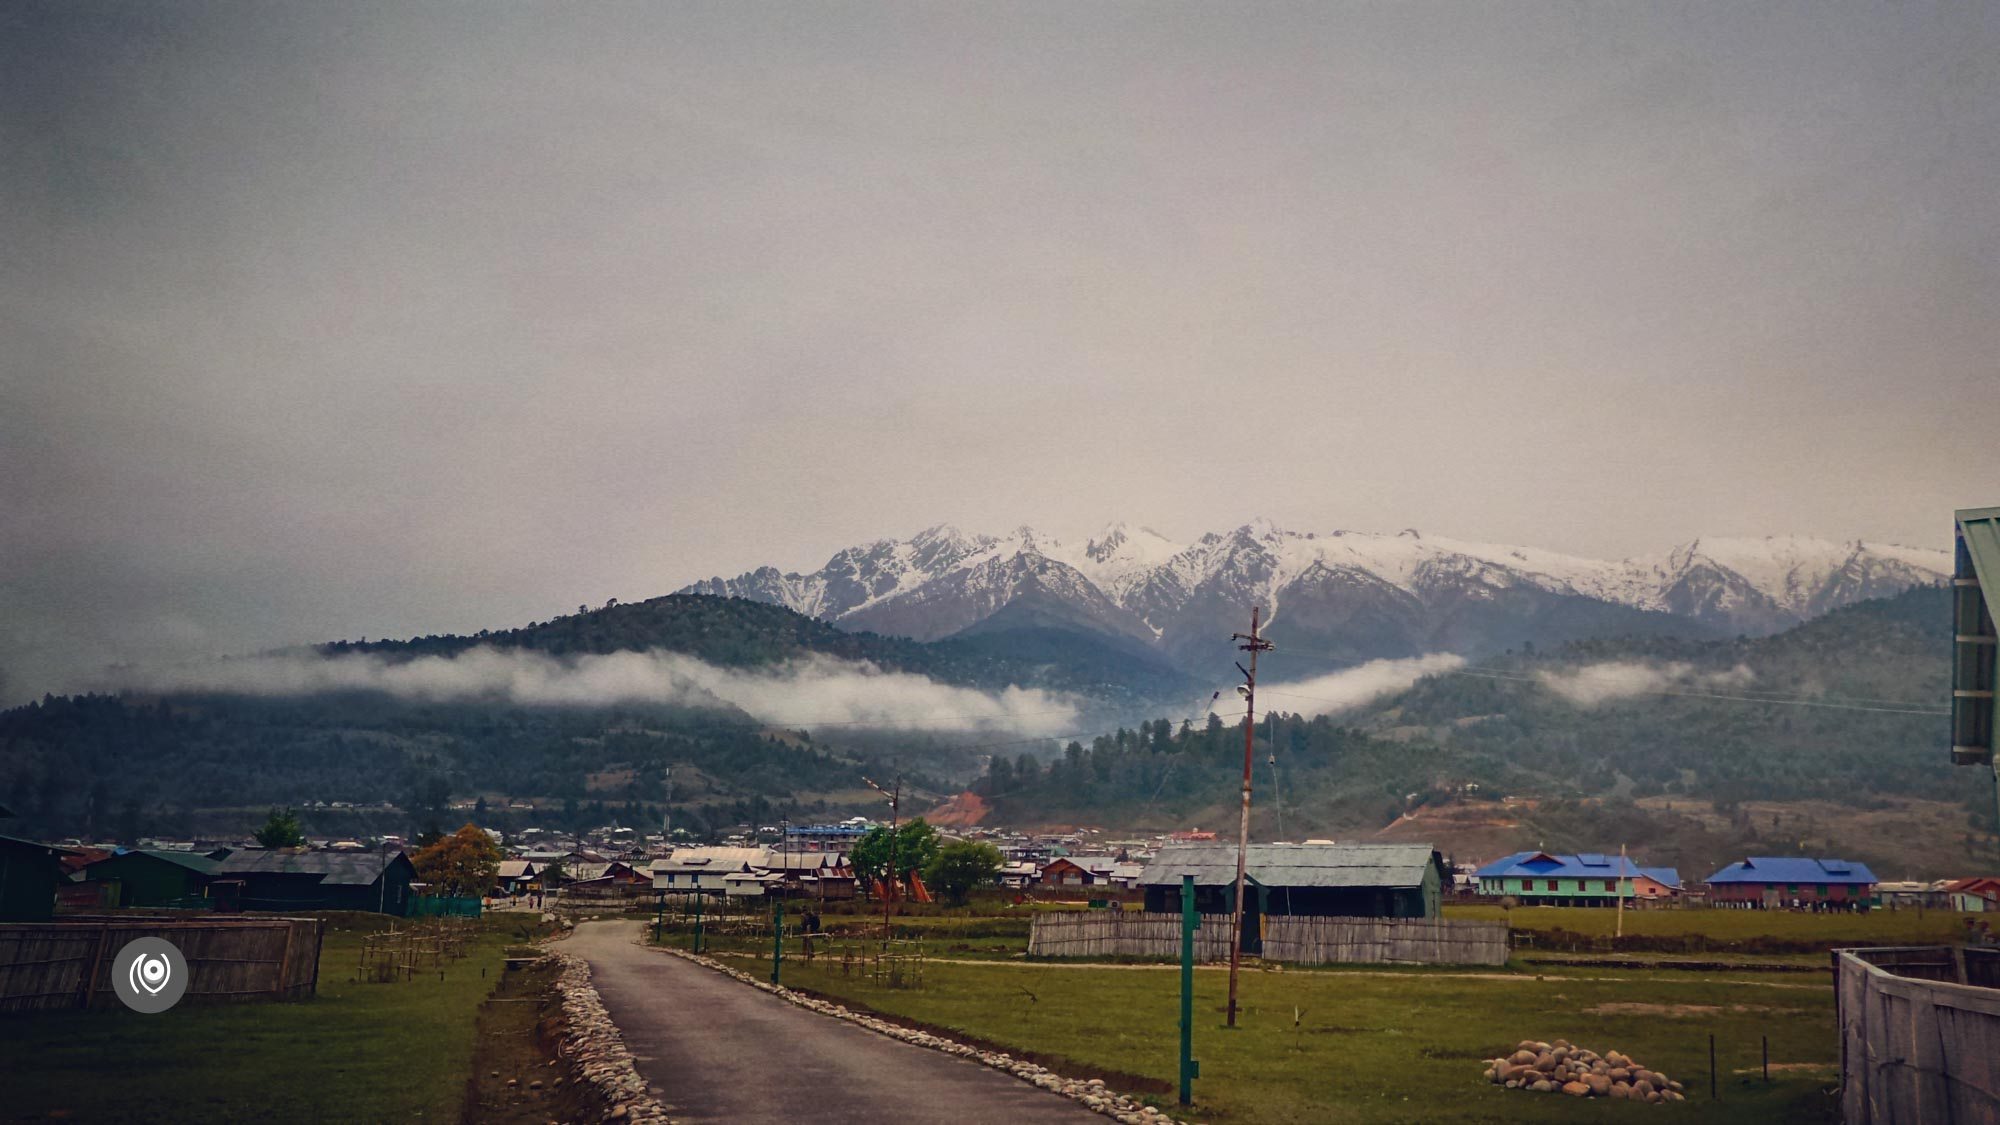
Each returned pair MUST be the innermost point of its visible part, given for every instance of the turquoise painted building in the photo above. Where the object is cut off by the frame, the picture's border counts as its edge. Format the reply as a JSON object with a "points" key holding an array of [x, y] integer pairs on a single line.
{"points": [[1588, 879]]}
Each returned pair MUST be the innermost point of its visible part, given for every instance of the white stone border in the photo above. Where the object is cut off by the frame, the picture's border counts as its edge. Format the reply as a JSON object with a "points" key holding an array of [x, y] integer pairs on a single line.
{"points": [[595, 1051], [1092, 1093]]}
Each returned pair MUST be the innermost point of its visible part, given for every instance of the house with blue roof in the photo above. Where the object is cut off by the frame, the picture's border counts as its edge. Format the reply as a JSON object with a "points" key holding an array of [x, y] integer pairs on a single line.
{"points": [[1587, 879], [1793, 883]]}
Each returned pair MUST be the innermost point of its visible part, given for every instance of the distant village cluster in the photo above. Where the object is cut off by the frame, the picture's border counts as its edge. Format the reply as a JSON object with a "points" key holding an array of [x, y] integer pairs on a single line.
{"points": [[617, 866]]}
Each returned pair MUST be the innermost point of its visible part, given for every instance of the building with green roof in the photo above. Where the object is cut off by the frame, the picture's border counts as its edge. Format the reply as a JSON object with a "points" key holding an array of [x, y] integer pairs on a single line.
{"points": [[153, 878]]}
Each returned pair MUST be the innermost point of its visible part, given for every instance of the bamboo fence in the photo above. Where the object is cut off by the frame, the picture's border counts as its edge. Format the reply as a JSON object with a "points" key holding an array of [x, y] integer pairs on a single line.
{"points": [[1378, 941], [67, 964], [1125, 933], [1300, 940]]}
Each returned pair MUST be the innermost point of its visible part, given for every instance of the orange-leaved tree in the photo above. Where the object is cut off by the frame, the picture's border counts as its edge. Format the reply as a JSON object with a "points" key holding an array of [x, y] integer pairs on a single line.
{"points": [[462, 864]]}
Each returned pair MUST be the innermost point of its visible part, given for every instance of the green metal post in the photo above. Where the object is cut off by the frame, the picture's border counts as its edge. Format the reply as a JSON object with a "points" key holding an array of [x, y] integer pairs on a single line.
{"points": [[1190, 921], [697, 921], [777, 937]]}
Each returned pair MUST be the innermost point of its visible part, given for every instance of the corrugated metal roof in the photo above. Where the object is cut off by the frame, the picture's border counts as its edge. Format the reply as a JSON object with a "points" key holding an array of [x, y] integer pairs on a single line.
{"points": [[1589, 865], [200, 864], [16, 841], [709, 859], [334, 868], [798, 861], [1294, 865], [1793, 869]]}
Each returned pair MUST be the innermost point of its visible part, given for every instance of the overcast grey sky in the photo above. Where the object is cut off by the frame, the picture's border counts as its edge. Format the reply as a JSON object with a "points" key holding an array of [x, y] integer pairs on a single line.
{"points": [[338, 319]]}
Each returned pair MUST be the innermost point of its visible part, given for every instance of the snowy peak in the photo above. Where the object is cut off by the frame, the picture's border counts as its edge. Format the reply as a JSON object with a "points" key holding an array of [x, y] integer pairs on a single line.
{"points": [[1793, 577], [1134, 581]]}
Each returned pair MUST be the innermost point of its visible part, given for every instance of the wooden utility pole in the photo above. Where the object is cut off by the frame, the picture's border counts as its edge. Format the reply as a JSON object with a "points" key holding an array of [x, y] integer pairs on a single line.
{"points": [[1252, 644], [1621, 884]]}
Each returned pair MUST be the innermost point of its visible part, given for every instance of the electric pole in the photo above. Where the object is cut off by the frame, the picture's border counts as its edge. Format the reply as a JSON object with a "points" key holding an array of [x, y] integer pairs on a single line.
{"points": [[1252, 644]]}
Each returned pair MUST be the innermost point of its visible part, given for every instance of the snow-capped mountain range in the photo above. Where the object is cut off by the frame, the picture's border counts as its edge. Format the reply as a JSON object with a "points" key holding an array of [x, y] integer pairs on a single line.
{"points": [[1344, 593]]}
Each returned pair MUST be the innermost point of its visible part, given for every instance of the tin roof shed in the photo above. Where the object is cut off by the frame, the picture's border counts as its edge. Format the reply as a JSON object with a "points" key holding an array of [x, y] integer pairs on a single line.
{"points": [[1296, 865]]}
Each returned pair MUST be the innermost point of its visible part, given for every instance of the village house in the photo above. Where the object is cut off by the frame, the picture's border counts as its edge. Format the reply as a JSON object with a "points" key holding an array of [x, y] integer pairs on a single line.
{"points": [[752, 884], [701, 870], [1792, 883], [515, 875], [1359, 880], [151, 878], [304, 880], [1017, 874], [1913, 894], [1066, 872], [1978, 895], [820, 875], [1587, 879]]}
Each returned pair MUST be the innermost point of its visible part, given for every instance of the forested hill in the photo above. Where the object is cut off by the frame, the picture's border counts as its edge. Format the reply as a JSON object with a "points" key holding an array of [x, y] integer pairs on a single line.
{"points": [[737, 632], [1811, 715], [73, 765], [1819, 711]]}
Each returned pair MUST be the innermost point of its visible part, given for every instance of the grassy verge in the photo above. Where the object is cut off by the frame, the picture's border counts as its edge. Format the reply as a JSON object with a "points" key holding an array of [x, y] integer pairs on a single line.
{"points": [[1749, 931], [1697, 938], [358, 1052], [1396, 1047]]}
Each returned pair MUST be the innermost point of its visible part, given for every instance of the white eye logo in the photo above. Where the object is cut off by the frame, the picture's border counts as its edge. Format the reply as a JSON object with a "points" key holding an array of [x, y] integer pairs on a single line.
{"points": [[151, 973]]}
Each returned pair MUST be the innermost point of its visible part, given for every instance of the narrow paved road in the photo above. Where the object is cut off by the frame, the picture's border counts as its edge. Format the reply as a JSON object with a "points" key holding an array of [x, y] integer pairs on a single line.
{"points": [[717, 1050]]}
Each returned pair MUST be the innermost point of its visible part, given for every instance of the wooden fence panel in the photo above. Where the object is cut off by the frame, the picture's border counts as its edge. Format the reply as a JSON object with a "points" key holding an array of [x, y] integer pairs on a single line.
{"points": [[1914, 1049], [67, 964], [1373, 941], [1125, 933], [1306, 941]]}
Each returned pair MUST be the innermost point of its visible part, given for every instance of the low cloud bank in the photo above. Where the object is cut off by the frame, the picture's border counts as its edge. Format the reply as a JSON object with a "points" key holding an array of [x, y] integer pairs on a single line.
{"points": [[1351, 687], [809, 692], [1593, 684]]}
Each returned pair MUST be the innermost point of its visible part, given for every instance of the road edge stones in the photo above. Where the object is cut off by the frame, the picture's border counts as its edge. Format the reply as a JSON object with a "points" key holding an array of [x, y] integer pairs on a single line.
{"points": [[594, 1049]]}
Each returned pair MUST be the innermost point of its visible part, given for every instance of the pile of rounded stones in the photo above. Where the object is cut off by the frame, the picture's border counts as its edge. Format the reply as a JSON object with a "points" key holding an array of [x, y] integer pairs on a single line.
{"points": [[1560, 1068]]}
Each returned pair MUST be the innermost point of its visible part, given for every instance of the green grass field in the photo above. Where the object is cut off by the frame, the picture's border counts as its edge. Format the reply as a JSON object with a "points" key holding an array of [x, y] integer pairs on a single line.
{"points": [[1723, 927], [359, 1052], [1382, 1047]]}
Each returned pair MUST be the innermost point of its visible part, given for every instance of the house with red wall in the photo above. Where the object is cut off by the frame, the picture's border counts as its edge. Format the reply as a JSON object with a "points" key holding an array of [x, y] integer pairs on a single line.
{"points": [[1792, 883]]}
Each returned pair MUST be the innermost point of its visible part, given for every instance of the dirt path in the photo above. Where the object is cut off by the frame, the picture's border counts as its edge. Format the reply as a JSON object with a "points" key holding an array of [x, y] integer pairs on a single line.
{"points": [[715, 1050]]}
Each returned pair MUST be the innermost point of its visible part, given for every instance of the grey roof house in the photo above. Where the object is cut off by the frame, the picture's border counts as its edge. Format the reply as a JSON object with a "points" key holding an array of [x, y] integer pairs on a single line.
{"points": [[1355, 880], [296, 880]]}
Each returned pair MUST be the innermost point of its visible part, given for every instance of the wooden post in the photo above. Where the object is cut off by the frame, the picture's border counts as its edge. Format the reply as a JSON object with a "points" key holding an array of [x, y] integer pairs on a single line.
{"points": [[93, 976]]}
